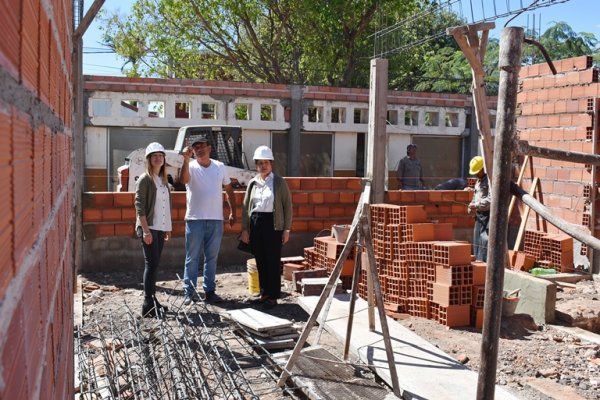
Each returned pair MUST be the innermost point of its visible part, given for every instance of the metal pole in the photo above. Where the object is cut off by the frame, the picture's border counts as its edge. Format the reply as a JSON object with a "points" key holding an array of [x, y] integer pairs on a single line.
{"points": [[509, 63]]}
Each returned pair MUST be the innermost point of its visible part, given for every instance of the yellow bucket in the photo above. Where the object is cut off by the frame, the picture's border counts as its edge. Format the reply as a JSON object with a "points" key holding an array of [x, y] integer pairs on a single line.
{"points": [[253, 283]]}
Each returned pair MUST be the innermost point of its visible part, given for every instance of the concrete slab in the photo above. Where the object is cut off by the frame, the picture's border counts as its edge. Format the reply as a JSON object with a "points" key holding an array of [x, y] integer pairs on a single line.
{"points": [[538, 296], [580, 333], [424, 371]]}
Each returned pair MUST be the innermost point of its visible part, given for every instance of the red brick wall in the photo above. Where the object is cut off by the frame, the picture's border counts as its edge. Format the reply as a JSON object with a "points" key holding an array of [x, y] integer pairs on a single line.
{"points": [[216, 88], [318, 204], [557, 111], [36, 268]]}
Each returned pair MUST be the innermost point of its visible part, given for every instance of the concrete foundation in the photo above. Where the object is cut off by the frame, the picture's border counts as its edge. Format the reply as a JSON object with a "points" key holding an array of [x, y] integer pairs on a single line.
{"points": [[124, 253], [538, 296]]}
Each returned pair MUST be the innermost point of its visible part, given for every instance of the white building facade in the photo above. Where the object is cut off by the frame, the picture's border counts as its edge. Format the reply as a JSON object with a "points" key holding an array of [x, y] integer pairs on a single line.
{"points": [[123, 114]]}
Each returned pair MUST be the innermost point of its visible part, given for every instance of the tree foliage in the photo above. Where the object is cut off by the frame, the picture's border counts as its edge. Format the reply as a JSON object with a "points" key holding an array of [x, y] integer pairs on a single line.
{"points": [[285, 41], [320, 42]]}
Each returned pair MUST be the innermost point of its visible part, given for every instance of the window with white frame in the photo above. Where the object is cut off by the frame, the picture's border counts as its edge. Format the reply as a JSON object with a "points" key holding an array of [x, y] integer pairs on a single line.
{"points": [[338, 115], [243, 112], [129, 108], [432, 118], [411, 118], [451, 120], [156, 109], [208, 111], [392, 117], [361, 115], [267, 112], [182, 110], [315, 114]]}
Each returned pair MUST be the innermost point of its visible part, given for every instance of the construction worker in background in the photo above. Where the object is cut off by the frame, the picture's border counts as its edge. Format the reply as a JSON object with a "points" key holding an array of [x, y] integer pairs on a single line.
{"points": [[410, 172], [480, 206]]}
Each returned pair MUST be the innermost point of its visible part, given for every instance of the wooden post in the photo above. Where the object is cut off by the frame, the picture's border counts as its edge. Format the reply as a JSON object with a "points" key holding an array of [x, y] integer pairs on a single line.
{"points": [[525, 216], [376, 167], [509, 65], [333, 277], [474, 50], [385, 332]]}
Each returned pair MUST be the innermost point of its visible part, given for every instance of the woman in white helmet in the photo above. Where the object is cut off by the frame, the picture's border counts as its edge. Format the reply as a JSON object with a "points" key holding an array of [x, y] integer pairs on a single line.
{"points": [[153, 222], [266, 223]]}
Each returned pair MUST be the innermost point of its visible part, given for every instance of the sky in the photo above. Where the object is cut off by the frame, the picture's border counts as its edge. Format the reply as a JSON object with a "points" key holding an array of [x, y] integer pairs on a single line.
{"points": [[576, 13]]}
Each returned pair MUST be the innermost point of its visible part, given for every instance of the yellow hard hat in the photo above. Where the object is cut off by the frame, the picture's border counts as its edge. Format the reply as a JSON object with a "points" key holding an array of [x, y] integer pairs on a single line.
{"points": [[476, 165]]}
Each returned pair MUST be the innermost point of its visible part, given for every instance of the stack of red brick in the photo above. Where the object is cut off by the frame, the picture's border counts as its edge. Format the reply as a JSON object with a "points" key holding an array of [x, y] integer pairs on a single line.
{"points": [[421, 270], [550, 250]]}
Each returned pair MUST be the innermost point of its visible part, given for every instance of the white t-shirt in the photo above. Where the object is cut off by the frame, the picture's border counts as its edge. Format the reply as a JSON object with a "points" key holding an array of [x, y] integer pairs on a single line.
{"points": [[204, 191]]}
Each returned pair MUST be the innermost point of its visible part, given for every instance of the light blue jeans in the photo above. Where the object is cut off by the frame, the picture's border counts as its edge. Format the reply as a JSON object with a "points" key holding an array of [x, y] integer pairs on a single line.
{"points": [[202, 238]]}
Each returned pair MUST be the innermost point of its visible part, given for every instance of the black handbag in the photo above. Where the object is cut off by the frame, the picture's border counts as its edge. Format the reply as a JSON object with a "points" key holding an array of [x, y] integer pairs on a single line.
{"points": [[245, 247]]}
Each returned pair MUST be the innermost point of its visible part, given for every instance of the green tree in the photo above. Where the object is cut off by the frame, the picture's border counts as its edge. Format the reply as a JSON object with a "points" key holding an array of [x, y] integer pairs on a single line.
{"points": [[285, 41], [560, 41]]}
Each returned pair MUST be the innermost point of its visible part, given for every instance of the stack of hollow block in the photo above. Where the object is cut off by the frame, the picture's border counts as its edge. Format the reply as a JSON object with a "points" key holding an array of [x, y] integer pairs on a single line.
{"points": [[421, 270], [319, 260], [549, 250]]}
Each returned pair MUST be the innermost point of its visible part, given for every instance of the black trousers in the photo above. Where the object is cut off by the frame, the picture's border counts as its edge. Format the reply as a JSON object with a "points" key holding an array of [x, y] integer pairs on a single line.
{"points": [[266, 246], [152, 254]]}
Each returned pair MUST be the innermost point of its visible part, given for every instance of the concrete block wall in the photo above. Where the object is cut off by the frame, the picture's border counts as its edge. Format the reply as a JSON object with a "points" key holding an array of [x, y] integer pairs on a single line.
{"points": [[559, 111], [37, 177]]}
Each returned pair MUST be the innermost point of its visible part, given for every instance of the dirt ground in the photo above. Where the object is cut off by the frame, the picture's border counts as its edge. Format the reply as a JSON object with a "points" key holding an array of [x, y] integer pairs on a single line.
{"points": [[534, 361]]}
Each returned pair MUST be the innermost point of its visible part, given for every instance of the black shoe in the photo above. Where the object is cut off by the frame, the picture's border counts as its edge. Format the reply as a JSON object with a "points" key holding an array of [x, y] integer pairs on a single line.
{"points": [[148, 309], [162, 309], [212, 297], [269, 304], [259, 300]]}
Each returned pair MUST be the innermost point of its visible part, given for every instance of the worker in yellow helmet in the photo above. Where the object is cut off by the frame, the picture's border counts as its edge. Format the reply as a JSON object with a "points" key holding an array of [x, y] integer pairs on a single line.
{"points": [[480, 206]]}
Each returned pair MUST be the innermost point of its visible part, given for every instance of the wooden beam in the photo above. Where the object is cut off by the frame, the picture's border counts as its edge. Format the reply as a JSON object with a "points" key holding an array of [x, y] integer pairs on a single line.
{"points": [[525, 217], [87, 19], [523, 147]]}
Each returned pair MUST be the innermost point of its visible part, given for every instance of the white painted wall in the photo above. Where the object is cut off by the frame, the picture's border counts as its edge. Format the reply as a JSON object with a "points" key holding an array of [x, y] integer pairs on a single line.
{"points": [[96, 144], [344, 151], [255, 131]]}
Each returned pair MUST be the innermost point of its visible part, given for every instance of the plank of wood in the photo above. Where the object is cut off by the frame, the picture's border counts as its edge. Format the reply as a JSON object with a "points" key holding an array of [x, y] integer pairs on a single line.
{"points": [[553, 389], [258, 320]]}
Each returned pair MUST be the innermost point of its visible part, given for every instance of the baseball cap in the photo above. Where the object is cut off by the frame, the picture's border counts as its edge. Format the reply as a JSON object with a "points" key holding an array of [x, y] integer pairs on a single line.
{"points": [[202, 138]]}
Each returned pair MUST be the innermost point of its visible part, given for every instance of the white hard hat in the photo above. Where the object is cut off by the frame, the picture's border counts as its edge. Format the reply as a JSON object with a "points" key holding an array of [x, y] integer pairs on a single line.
{"points": [[263, 153], [154, 147]]}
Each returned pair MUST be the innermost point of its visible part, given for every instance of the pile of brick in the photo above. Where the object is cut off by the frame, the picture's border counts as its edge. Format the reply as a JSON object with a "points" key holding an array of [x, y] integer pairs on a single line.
{"points": [[547, 250], [422, 270]]}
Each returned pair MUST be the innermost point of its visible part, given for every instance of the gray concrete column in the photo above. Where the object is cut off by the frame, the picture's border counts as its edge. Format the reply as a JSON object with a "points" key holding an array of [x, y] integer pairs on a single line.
{"points": [[377, 139], [293, 142]]}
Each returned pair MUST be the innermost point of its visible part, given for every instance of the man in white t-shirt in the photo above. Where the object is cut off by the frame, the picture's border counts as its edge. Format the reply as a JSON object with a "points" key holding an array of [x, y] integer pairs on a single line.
{"points": [[204, 179]]}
